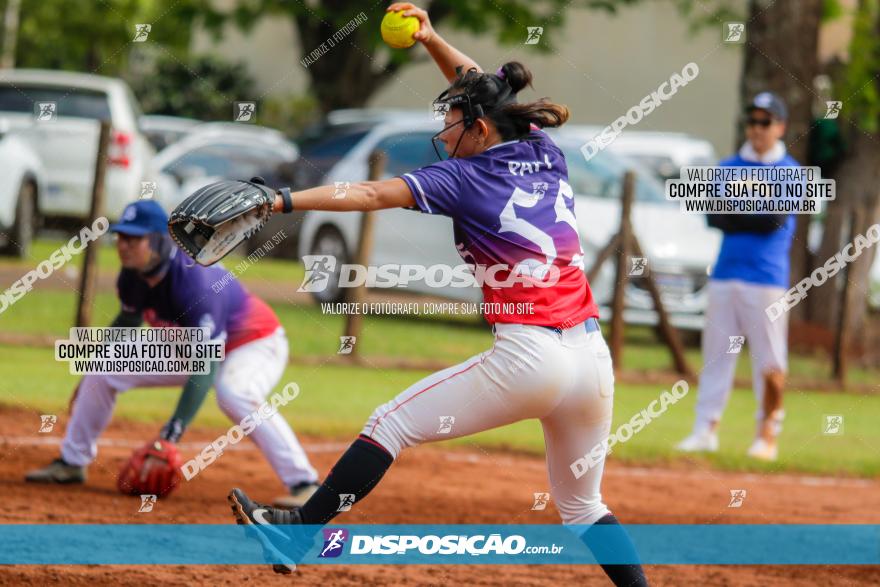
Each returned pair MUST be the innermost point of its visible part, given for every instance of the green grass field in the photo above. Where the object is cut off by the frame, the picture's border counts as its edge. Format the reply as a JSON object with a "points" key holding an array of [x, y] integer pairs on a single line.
{"points": [[266, 268], [311, 333], [336, 400]]}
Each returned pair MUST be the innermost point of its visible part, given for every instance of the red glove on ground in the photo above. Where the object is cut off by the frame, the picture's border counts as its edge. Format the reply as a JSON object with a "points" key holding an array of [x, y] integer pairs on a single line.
{"points": [[152, 469]]}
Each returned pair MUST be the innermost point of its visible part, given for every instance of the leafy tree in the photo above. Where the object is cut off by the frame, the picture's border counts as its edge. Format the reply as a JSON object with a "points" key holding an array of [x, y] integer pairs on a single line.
{"points": [[361, 63], [96, 37], [782, 56], [858, 175], [204, 88], [66, 34]]}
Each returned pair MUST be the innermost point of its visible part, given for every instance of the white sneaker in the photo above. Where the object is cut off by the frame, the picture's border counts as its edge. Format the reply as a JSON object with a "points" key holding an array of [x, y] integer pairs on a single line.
{"points": [[763, 450], [705, 441]]}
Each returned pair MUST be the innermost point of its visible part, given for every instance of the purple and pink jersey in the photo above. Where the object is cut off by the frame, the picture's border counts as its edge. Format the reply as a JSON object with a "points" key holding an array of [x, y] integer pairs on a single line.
{"points": [[512, 205], [186, 297]]}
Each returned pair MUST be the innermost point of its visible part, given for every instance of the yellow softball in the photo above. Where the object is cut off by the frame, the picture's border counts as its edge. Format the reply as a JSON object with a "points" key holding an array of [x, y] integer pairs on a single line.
{"points": [[397, 30]]}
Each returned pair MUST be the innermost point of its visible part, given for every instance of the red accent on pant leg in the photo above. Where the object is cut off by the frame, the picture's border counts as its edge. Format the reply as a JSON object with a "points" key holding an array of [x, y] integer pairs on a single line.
{"points": [[474, 364], [366, 438]]}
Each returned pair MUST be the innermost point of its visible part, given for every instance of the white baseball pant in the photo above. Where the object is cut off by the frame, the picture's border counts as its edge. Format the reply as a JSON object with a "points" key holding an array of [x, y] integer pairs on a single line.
{"points": [[563, 379], [243, 381], [737, 309]]}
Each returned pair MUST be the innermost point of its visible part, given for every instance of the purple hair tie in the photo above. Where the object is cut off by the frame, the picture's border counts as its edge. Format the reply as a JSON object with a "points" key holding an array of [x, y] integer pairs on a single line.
{"points": [[500, 72]]}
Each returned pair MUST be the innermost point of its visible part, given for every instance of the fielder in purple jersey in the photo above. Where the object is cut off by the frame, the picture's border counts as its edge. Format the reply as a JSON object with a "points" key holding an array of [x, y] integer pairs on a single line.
{"points": [[192, 296], [161, 286]]}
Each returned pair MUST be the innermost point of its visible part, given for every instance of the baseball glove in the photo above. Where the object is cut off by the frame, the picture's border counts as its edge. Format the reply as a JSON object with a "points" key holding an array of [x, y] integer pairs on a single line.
{"points": [[153, 469], [210, 223]]}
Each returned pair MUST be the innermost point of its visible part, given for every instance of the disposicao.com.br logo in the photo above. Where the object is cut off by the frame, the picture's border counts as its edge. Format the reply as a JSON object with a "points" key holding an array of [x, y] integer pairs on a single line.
{"points": [[451, 544], [322, 270], [334, 542]]}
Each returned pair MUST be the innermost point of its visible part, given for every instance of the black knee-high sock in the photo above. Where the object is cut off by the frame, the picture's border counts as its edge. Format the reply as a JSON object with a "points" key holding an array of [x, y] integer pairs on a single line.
{"points": [[355, 473], [605, 545]]}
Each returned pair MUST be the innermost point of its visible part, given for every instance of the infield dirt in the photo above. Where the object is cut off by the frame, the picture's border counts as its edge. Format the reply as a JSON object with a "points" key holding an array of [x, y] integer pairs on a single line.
{"points": [[427, 485]]}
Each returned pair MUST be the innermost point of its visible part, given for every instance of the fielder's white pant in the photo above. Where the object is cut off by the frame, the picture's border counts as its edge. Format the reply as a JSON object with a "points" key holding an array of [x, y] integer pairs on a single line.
{"points": [[243, 381], [565, 380], [737, 309]]}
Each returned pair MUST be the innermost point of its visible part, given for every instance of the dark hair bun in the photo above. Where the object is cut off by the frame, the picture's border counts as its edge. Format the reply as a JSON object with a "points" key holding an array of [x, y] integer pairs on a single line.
{"points": [[512, 119], [516, 75]]}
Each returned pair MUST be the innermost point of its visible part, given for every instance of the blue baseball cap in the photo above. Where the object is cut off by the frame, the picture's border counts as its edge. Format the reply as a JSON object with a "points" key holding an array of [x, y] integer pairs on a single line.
{"points": [[771, 103], [140, 218]]}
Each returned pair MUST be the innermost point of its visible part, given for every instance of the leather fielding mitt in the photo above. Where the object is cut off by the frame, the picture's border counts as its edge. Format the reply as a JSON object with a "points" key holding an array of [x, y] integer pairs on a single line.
{"points": [[158, 476], [214, 220]]}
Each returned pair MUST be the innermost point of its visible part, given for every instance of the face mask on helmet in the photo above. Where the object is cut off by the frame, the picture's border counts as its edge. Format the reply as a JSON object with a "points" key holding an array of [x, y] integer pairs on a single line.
{"points": [[161, 247], [471, 111], [443, 104]]}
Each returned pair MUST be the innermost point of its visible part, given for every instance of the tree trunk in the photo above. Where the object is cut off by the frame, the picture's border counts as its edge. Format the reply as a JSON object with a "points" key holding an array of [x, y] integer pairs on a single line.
{"points": [[10, 33], [782, 57], [823, 301], [858, 197], [858, 190], [347, 75], [863, 184], [860, 281]]}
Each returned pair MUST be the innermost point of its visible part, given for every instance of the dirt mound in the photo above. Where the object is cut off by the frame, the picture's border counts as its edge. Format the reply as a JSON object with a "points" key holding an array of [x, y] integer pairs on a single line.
{"points": [[426, 485]]}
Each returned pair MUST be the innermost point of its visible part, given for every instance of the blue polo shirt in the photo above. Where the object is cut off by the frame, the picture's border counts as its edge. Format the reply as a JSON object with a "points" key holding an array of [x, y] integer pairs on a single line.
{"points": [[762, 259]]}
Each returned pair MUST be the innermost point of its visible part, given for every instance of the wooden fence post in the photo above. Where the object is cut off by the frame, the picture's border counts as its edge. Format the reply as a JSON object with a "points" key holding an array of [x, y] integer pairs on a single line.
{"points": [[354, 321], [842, 334], [623, 249], [88, 277]]}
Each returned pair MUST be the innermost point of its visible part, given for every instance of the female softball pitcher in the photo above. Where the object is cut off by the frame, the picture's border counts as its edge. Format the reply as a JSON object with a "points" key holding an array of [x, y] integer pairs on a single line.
{"points": [[505, 187]]}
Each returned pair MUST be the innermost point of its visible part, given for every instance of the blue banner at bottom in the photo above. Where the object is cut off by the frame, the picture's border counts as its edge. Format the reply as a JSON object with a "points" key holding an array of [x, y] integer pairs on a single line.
{"points": [[171, 544]]}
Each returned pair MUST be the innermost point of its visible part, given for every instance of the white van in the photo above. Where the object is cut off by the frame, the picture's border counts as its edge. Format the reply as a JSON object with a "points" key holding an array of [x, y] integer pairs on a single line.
{"points": [[58, 114]]}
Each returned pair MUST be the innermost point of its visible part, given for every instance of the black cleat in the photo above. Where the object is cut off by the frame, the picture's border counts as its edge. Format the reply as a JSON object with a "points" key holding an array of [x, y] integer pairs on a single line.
{"points": [[59, 472], [298, 496], [265, 520]]}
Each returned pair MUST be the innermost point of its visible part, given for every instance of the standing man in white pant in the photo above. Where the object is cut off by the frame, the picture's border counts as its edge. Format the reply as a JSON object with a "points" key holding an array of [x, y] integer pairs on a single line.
{"points": [[158, 284], [751, 273]]}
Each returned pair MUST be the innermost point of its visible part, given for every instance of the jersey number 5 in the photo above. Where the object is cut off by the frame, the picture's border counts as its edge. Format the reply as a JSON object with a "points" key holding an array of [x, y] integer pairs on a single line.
{"points": [[510, 222]]}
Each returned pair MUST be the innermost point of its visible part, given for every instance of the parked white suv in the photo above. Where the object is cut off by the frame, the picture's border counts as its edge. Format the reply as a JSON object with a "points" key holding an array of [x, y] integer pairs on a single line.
{"points": [[57, 113], [22, 179]]}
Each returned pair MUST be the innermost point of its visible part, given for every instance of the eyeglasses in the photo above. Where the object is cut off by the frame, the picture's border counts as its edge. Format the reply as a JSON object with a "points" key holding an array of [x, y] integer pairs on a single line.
{"points": [[762, 122]]}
